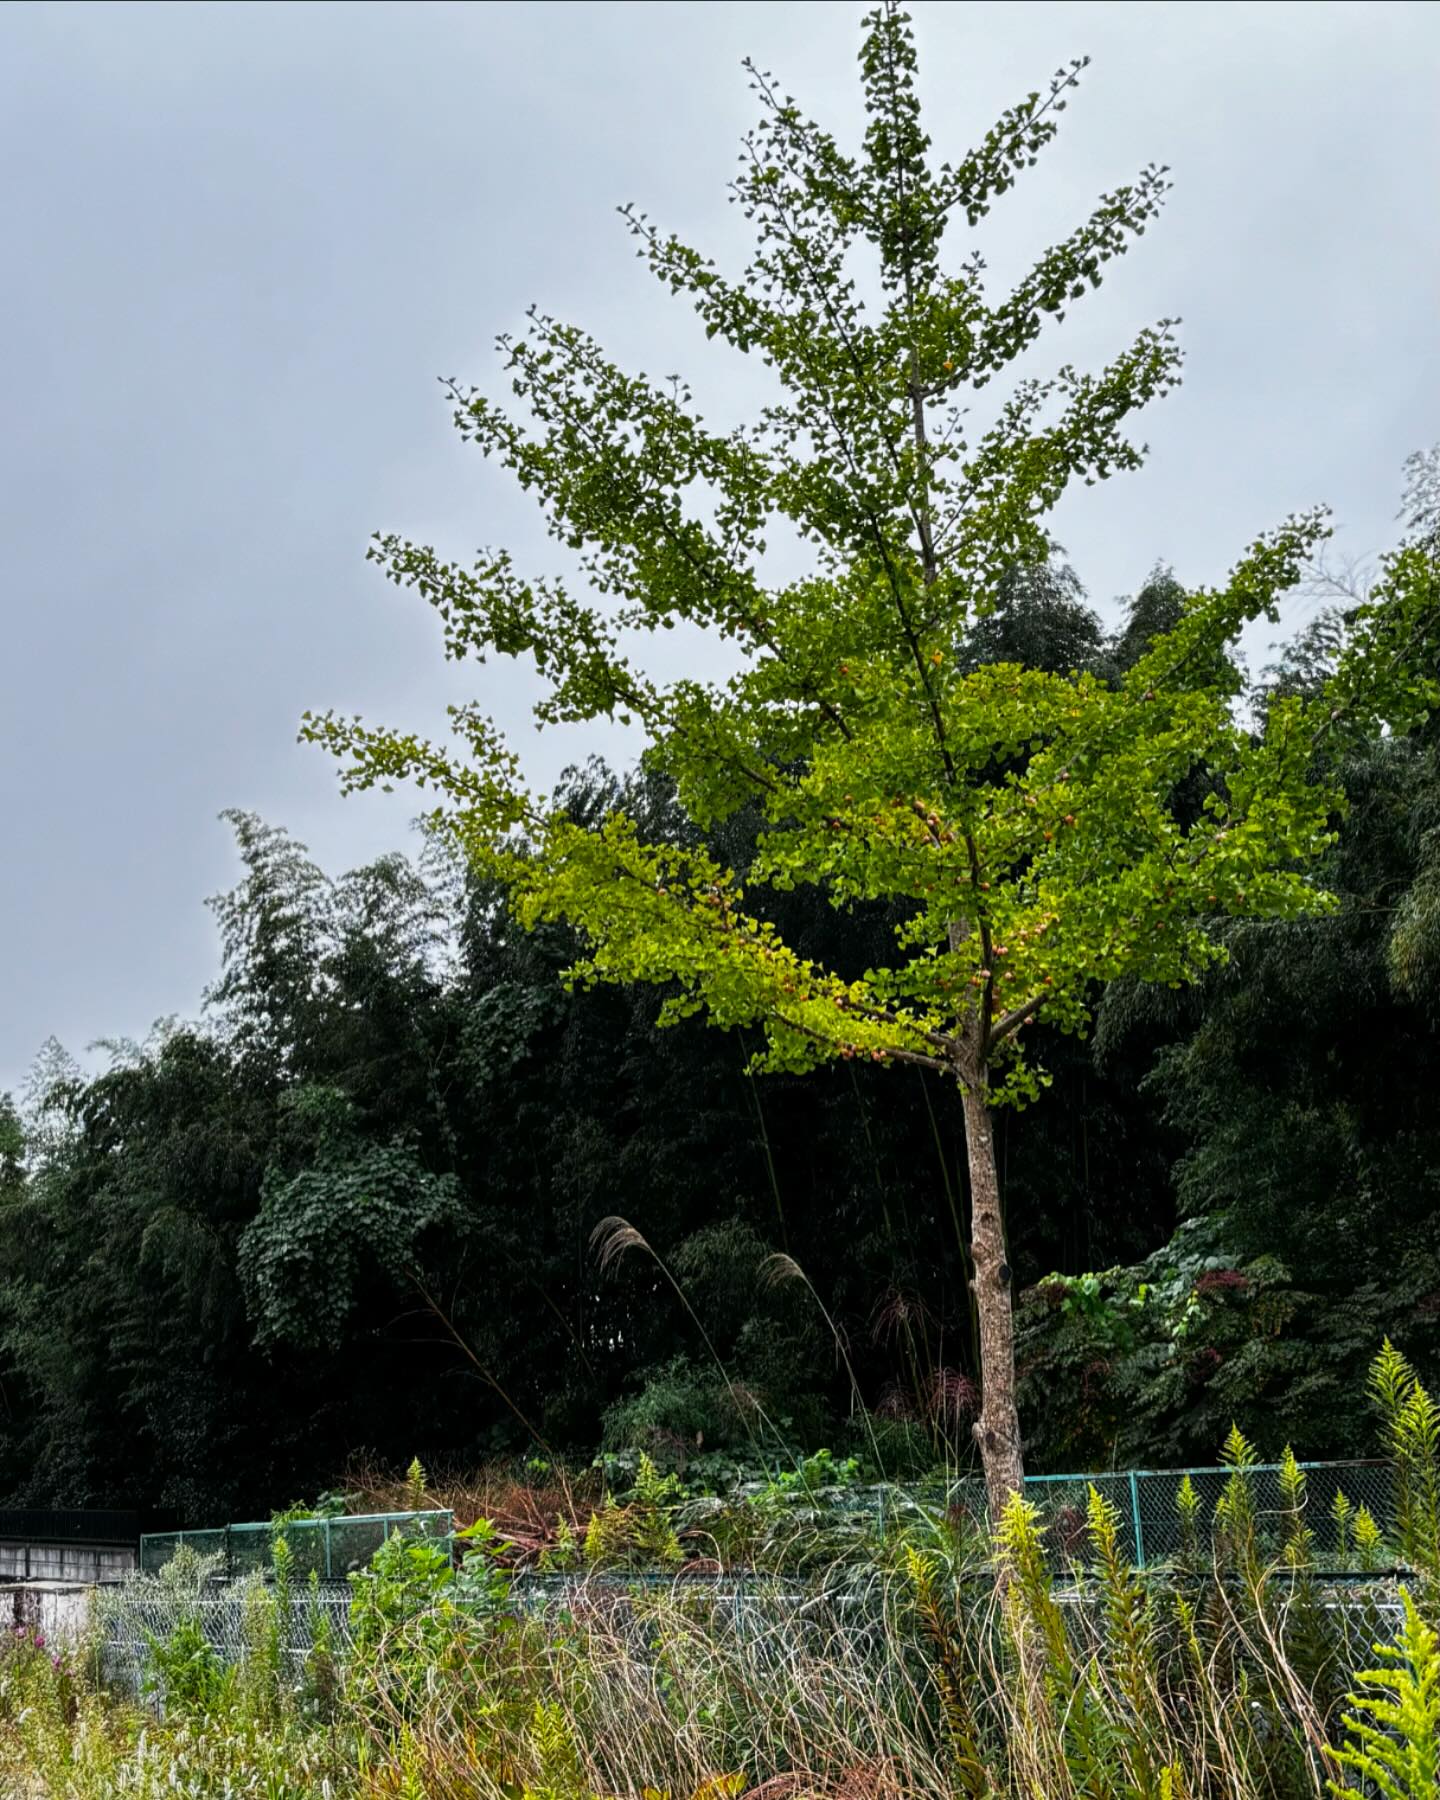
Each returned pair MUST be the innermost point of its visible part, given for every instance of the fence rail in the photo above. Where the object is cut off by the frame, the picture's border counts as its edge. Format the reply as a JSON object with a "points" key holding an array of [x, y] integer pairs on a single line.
{"points": [[330, 1548]]}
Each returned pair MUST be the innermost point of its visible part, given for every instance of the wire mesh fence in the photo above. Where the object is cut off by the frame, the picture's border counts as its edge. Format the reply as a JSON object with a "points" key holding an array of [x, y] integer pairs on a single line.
{"points": [[1335, 1494], [330, 1548], [767, 1616], [223, 1580], [232, 1617], [761, 1620], [1347, 1510]]}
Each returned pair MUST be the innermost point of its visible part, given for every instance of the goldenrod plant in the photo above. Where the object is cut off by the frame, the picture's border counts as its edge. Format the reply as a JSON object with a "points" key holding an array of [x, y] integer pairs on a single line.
{"points": [[1393, 1731], [1411, 1424]]}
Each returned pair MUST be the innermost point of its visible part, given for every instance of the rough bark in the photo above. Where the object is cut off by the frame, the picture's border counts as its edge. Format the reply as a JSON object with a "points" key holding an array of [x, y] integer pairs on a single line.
{"points": [[997, 1429]]}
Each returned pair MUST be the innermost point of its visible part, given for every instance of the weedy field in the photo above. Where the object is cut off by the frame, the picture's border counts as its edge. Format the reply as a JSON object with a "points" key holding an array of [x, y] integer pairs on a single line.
{"points": [[931, 1663]]}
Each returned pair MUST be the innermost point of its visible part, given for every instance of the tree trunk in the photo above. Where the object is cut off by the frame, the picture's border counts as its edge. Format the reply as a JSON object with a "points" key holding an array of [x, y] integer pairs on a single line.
{"points": [[997, 1429]]}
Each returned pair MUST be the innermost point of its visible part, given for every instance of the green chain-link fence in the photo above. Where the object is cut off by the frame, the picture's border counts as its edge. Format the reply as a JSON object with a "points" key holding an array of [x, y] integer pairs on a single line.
{"points": [[1348, 1514], [1151, 1515], [331, 1548]]}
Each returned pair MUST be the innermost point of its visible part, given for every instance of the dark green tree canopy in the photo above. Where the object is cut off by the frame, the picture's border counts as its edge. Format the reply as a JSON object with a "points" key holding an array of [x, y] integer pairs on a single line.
{"points": [[437, 1052]]}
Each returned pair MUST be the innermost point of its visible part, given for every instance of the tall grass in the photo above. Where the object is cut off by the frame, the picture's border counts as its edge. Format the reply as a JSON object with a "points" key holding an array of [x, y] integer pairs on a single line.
{"points": [[920, 1674], [928, 1666], [914, 1676]]}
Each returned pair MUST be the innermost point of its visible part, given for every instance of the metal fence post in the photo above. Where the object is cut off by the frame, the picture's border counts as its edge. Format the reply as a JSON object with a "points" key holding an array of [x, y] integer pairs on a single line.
{"points": [[1135, 1515], [328, 1575]]}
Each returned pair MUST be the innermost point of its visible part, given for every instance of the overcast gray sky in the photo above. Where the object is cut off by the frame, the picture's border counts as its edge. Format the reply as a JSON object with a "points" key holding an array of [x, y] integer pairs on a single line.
{"points": [[242, 241]]}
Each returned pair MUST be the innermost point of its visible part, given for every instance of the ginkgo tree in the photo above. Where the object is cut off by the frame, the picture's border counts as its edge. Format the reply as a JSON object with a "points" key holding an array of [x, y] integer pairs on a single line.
{"points": [[1023, 827]]}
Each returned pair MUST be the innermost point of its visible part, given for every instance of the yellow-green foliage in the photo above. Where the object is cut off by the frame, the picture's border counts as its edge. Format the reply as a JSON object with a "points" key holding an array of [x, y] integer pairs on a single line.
{"points": [[1066, 1715], [1393, 1733], [952, 1677], [640, 1534], [1033, 1611], [557, 1773], [1410, 1420], [652, 1510], [606, 1535], [1127, 1615], [1235, 1509], [1369, 1542], [1187, 1512], [1299, 1539], [1343, 1515], [416, 1481]]}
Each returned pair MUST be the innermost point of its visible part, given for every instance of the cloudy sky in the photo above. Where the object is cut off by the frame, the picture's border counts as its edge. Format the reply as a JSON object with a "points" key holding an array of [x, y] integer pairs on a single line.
{"points": [[242, 241]]}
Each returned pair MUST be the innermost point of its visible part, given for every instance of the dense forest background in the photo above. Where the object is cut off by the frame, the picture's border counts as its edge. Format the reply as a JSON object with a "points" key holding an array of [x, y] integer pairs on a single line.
{"points": [[350, 1209]]}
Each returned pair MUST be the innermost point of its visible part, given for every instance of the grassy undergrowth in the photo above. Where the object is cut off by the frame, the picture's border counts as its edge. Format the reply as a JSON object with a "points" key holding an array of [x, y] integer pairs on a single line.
{"points": [[913, 1670], [908, 1680]]}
